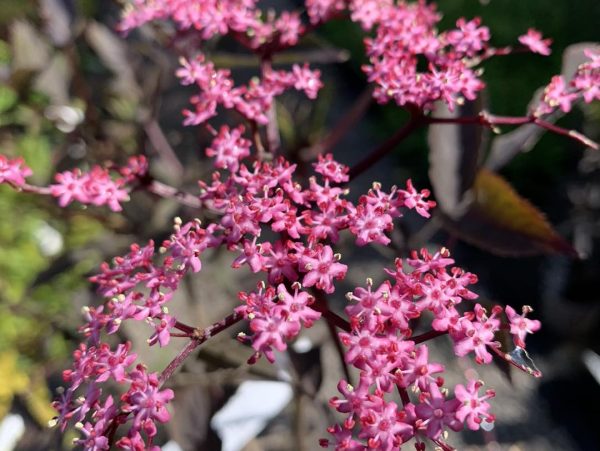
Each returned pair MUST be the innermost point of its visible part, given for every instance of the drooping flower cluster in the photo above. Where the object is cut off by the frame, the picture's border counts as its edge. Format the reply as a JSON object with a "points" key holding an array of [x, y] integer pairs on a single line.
{"points": [[382, 346]]}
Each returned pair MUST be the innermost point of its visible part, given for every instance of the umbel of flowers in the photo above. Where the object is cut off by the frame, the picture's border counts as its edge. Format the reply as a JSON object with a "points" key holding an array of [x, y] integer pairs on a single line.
{"points": [[255, 192]]}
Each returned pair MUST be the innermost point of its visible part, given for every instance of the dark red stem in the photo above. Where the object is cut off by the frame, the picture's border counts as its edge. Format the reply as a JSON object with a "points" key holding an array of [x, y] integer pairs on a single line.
{"points": [[200, 336], [428, 336], [377, 154], [490, 120]]}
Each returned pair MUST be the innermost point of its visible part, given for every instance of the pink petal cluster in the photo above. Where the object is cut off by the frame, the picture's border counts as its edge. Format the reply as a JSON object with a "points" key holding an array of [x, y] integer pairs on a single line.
{"points": [[275, 316], [285, 228], [384, 349], [95, 187], [534, 42], [216, 88], [406, 33], [241, 18], [228, 148], [13, 171], [143, 398], [247, 201], [561, 93]]}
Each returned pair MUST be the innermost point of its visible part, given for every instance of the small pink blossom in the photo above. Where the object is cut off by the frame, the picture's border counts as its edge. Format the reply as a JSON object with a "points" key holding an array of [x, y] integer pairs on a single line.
{"points": [[229, 148], [436, 412], [474, 408], [321, 267], [558, 95], [13, 171], [520, 326], [533, 40]]}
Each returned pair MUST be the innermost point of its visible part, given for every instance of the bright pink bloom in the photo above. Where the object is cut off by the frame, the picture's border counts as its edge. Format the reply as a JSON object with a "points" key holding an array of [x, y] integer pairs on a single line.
{"points": [[94, 187], [146, 401], [321, 267], [474, 408], [533, 40], [229, 148], [469, 38], [436, 413], [475, 332], [520, 326], [13, 171], [557, 95]]}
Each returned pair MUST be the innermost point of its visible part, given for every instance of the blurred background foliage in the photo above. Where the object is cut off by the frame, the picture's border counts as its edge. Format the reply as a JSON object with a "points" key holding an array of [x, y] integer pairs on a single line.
{"points": [[74, 93]]}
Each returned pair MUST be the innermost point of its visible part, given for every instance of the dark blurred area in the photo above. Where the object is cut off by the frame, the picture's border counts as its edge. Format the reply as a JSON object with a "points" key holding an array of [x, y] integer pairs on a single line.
{"points": [[73, 92]]}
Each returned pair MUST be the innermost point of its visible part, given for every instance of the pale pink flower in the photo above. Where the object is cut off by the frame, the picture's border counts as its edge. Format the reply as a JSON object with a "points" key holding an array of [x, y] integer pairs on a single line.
{"points": [[534, 42]]}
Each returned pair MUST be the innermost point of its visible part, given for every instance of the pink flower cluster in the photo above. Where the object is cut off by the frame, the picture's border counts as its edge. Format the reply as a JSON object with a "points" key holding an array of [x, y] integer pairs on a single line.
{"points": [[253, 101], [562, 94], [96, 417], [534, 42], [406, 33], [285, 229], [382, 346], [13, 171], [242, 18], [95, 187], [138, 285]]}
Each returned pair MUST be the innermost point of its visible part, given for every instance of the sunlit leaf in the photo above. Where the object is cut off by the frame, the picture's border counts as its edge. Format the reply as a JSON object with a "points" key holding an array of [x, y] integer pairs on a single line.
{"points": [[502, 222], [8, 98]]}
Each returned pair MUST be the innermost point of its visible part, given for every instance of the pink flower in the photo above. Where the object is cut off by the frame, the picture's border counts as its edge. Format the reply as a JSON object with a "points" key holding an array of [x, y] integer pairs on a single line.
{"points": [[13, 171], [475, 332], [557, 95], [469, 38], [229, 148], [411, 198], [162, 332], [435, 412], [369, 12], [474, 408], [322, 267], [419, 371], [322, 10], [330, 169], [521, 326], [533, 40], [296, 307], [587, 77], [94, 187], [383, 426], [146, 401]]}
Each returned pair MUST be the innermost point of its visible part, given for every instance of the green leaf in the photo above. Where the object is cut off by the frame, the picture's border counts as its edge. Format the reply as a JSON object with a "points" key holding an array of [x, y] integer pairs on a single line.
{"points": [[35, 149], [8, 98]]}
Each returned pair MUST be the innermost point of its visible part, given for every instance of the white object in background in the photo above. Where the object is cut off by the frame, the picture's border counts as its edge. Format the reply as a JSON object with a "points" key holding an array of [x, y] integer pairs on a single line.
{"points": [[12, 429], [171, 446], [49, 240], [247, 412], [592, 361]]}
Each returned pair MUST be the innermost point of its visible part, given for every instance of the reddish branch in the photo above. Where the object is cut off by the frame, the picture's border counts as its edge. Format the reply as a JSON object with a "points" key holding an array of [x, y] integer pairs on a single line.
{"points": [[200, 336]]}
